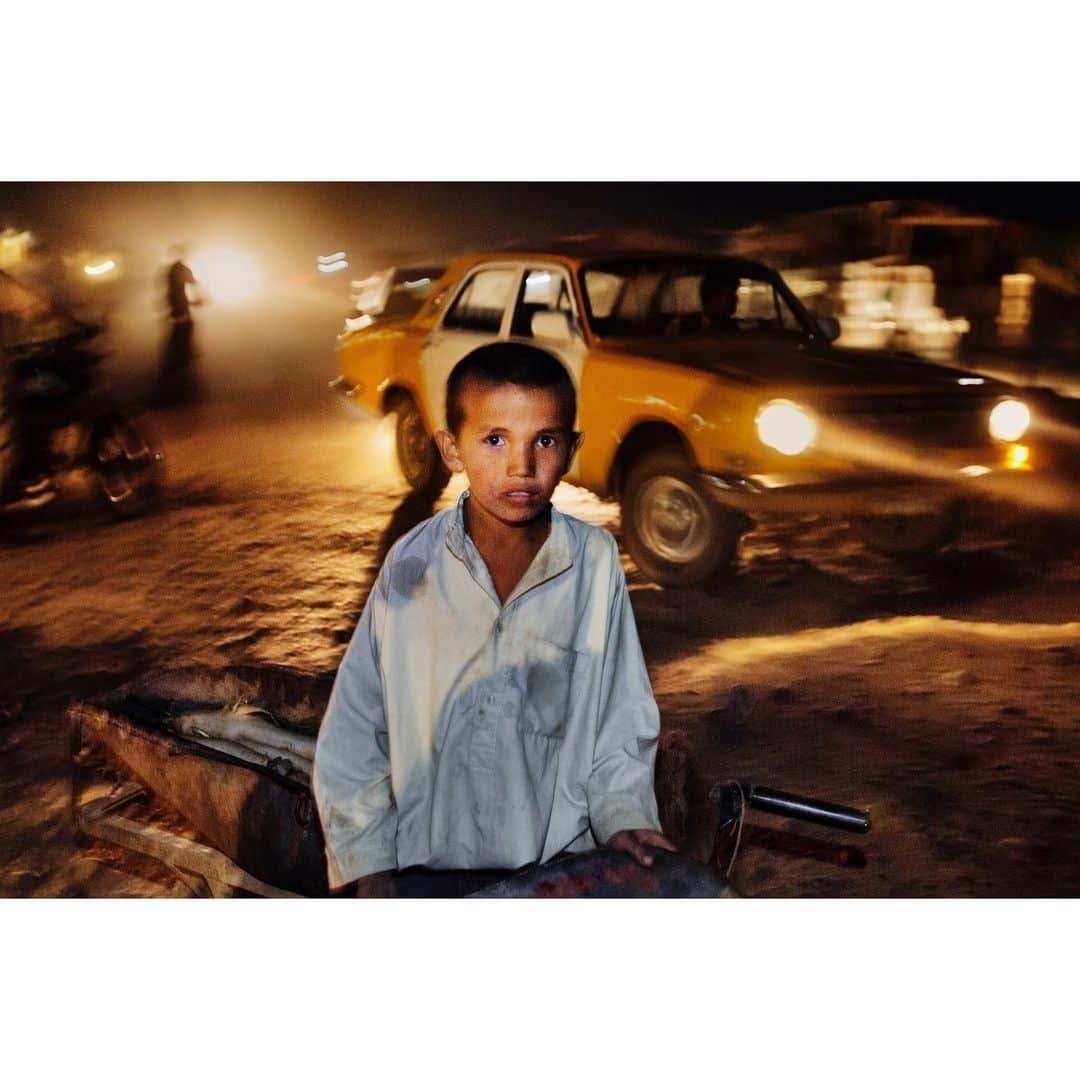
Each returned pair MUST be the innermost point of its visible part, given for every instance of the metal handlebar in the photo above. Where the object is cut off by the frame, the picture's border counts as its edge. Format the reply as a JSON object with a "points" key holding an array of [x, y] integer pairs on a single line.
{"points": [[770, 801]]}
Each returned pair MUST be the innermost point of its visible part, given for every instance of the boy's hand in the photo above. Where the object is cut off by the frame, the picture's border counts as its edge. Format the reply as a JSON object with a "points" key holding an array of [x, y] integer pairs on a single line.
{"points": [[636, 842], [380, 886]]}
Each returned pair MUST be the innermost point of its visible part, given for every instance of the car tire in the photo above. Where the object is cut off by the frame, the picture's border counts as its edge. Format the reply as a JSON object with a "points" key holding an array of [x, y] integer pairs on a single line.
{"points": [[7, 448], [673, 528], [418, 457], [130, 471], [910, 536]]}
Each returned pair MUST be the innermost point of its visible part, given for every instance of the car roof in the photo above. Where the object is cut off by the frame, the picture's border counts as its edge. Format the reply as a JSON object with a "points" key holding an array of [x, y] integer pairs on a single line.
{"points": [[582, 254]]}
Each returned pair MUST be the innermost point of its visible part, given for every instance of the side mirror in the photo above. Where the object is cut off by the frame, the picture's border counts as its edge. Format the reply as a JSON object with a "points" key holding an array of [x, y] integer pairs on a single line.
{"points": [[830, 327], [553, 326]]}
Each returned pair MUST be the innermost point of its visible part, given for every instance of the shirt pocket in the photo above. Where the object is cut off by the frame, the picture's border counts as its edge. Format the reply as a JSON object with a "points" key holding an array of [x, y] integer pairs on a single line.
{"points": [[550, 681]]}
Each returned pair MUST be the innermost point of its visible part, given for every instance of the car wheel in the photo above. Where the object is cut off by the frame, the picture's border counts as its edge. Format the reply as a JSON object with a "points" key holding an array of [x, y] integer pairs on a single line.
{"points": [[417, 454], [130, 471], [905, 536], [673, 528], [7, 448]]}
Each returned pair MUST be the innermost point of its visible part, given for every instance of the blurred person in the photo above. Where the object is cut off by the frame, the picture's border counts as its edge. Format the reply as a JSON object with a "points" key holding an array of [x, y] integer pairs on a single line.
{"points": [[25, 435], [719, 294], [493, 709], [178, 278], [176, 383], [25, 420]]}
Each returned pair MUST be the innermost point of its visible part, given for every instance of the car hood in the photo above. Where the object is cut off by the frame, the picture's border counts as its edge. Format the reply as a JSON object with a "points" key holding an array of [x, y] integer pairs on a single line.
{"points": [[755, 361]]}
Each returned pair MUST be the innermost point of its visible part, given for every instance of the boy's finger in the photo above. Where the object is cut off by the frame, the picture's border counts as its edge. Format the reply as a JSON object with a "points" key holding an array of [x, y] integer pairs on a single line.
{"points": [[638, 850], [628, 843], [657, 839]]}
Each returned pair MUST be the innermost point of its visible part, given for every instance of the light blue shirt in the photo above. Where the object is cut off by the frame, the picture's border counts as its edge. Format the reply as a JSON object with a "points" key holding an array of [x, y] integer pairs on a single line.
{"points": [[463, 733]]}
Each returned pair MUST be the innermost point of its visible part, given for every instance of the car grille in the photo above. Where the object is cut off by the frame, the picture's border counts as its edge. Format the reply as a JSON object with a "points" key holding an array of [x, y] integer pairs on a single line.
{"points": [[958, 422]]}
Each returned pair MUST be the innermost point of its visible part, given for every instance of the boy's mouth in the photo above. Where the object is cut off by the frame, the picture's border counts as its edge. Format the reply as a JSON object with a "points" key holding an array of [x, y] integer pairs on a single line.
{"points": [[521, 494]]}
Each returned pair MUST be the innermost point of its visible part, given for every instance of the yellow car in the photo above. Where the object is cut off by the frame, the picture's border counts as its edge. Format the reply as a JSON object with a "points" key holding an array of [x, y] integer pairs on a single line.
{"points": [[709, 395]]}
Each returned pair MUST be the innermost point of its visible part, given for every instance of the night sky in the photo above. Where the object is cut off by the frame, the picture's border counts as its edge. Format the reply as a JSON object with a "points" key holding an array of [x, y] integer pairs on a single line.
{"points": [[443, 217]]}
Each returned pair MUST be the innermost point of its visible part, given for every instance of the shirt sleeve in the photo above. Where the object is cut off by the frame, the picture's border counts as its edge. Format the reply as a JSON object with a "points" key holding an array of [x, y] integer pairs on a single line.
{"points": [[351, 775], [620, 790]]}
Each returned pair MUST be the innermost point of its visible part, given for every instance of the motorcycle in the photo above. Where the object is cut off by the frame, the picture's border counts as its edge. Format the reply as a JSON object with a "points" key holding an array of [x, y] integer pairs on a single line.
{"points": [[56, 423]]}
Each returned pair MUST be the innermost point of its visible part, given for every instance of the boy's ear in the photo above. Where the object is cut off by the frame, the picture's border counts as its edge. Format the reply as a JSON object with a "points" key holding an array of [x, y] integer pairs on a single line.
{"points": [[576, 439], [448, 450]]}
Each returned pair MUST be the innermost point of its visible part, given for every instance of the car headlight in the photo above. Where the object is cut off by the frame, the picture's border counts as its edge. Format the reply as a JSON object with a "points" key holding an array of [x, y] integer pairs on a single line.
{"points": [[785, 427], [1009, 420]]}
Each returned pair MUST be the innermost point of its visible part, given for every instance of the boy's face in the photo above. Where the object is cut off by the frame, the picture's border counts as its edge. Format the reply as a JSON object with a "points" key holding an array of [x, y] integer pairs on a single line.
{"points": [[514, 445]]}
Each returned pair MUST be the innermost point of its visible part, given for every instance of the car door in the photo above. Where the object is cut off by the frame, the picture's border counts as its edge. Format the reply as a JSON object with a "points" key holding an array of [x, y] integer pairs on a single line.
{"points": [[478, 314], [543, 289]]}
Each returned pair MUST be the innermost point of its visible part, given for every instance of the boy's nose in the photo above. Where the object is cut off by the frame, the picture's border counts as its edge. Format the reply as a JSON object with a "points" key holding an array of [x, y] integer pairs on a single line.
{"points": [[522, 461]]}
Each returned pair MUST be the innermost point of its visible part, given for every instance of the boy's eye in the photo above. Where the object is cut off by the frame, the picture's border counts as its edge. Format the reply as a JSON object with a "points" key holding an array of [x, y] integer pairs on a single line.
{"points": [[547, 442]]}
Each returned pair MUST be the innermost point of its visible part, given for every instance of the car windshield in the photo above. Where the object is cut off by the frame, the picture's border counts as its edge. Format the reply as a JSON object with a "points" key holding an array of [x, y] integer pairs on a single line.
{"points": [[685, 297], [394, 293], [408, 295]]}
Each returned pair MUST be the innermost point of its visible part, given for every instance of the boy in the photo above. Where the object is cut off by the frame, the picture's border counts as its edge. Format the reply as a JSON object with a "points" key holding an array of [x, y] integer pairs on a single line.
{"points": [[493, 708]]}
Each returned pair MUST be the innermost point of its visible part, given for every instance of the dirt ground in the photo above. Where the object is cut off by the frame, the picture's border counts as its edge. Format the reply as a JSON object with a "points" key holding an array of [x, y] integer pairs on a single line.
{"points": [[941, 698]]}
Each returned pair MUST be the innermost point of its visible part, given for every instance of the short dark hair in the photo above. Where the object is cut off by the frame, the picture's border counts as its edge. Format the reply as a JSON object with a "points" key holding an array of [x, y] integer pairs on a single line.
{"points": [[715, 280], [507, 363]]}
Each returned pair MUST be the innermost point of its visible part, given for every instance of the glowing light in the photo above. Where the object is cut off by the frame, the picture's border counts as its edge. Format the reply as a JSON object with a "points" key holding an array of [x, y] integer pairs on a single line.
{"points": [[333, 268], [1009, 420], [100, 268], [14, 246], [229, 276], [785, 427], [971, 382], [416, 284], [1017, 456], [976, 470], [338, 256]]}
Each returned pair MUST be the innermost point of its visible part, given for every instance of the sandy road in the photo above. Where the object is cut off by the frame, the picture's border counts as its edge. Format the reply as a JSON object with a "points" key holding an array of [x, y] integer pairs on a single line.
{"points": [[941, 698]]}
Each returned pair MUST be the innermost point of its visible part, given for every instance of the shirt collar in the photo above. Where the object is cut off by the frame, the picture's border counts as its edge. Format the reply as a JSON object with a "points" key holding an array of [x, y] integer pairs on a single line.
{"points": [[553, 558]]}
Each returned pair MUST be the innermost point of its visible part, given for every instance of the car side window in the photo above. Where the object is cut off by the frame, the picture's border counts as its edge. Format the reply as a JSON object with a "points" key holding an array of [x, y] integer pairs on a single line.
{"points": [[757, 304], [541, 290], [603, 291], [622, 303], [764, 307], [680, 295], [637, 296], [481, 303]]}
